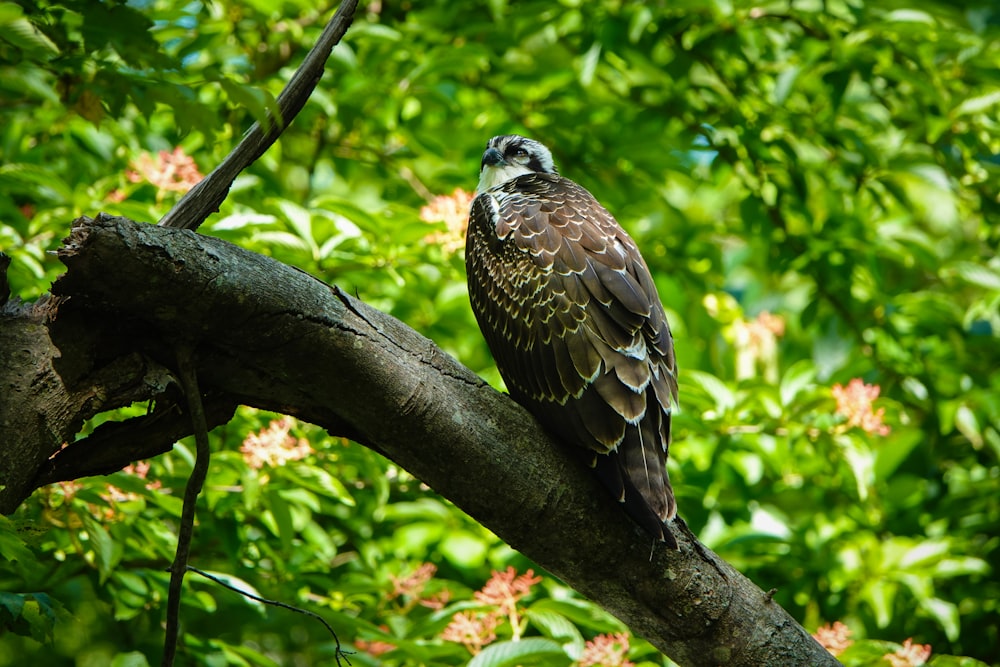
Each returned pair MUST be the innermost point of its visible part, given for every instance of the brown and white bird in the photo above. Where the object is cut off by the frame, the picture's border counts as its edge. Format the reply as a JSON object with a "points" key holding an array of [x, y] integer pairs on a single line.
{"points": [[570, 312]]}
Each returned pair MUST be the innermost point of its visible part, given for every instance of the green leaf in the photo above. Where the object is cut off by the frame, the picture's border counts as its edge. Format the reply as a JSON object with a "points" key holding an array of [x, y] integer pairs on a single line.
{"points": [[235, 582], [861, 460], [581, 613], [723, 396], [974, 274], [19, 31], [317, 479], [260, 103], [12, 547], [978, 104], [967, 423], [464, 549], [105, 553], [41, 616], [923, 554], [556, 626], [283, 240], [428, 508], [31, 615], [798, 376], [909, 16], [133, 659], [131, 581], [954, 661], [530, 651], [784, 83], [880, 595], [868, 653], [945, 613], [894, 449], [11, 606], [588, 64], [282, 516]]}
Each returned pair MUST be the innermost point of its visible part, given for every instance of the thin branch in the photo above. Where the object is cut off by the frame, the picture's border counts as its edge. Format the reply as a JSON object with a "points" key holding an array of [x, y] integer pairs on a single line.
{"points": [[205, 198], [4, 285], [339, 652], [189, 380], [113, 445]]}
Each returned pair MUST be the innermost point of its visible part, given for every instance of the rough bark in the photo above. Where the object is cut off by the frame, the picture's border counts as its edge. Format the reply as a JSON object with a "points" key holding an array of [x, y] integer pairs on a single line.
{"points": [[274, 337]]}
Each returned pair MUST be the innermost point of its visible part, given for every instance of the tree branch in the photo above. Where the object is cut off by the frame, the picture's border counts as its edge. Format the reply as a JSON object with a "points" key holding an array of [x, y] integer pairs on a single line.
{"points": [[339, 651], [205, 198], [276, 338], [185, 530]]}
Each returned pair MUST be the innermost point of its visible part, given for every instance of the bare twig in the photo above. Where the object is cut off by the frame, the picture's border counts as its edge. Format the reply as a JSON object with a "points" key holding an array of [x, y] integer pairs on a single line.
{"points": [[204, 199], [339, 652], [4, 285], [189, 380]]}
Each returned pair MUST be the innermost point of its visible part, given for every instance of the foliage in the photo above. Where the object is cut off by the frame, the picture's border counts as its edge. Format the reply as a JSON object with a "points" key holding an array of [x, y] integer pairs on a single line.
{"points": [[814, 185]]}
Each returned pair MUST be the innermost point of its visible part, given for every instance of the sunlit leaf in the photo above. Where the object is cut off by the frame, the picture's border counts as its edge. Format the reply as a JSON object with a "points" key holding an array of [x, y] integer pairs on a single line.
{"points": [[319, 480], [558, 627], [530, 651], [978, 104], [722, 395], [463, 549], [132, 659], [20, 32], [795, 379], [946, 613]]}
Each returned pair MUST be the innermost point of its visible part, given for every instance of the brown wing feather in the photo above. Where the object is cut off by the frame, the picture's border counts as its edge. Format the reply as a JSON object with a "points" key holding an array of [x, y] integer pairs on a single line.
{"points": [[571, 314]]}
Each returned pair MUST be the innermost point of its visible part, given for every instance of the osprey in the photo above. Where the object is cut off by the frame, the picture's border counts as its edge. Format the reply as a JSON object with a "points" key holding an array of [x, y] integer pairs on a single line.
{"points": [[570, 312]]}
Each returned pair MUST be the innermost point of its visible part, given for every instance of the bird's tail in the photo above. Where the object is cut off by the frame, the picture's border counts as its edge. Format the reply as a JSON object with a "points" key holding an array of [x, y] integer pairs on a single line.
{"points": [[637, 474]]}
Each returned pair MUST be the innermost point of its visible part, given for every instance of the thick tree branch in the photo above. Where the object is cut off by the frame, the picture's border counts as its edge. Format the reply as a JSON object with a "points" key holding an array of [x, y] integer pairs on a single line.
{"points": [[276, 338]]}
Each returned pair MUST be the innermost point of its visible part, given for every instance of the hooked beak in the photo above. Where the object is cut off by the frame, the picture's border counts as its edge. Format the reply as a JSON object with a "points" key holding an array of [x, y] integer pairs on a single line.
{"points": [[491, 158]]}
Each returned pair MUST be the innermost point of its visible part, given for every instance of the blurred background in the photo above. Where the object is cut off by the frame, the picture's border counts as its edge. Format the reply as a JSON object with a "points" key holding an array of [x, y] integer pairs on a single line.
{"points": [[815, 185]]}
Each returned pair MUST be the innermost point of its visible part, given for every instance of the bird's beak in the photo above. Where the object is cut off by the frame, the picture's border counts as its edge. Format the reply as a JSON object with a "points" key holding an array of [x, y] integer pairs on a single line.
{"points": [[491, 158]]}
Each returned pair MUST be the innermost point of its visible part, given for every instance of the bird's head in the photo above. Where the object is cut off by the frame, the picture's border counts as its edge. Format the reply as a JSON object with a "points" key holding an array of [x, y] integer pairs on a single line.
{"points": [[509, 156]]}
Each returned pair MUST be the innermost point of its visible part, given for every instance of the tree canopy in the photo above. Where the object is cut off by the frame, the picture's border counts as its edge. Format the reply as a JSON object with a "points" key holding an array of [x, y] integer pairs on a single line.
{"points": [[813, 184]]}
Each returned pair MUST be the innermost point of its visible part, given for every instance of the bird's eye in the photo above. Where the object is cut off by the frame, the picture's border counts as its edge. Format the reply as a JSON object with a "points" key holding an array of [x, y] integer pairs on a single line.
{"points": [[520, 152]]}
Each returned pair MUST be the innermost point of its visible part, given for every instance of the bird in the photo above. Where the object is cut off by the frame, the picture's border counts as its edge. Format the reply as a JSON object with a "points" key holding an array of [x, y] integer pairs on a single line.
{"points": [[571, 314]]}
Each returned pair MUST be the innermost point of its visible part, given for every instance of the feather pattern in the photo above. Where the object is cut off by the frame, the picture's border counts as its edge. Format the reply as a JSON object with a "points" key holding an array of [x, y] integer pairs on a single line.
{"points": [[569, 309]]}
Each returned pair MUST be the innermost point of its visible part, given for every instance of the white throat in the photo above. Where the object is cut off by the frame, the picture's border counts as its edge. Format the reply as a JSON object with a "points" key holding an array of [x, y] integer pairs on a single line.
{"points": [[495, 175]]}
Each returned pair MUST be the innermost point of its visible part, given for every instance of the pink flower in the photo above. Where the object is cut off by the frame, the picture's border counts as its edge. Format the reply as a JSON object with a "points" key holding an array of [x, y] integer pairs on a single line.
{"points": [[437, 600], [505, 589], [274, 446], [756, 344], [374, 647], [473, 630], [453, 210], [834, 638], [412, 585], [174, 171], [910, 655], [606, 651], [855, 402]]}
